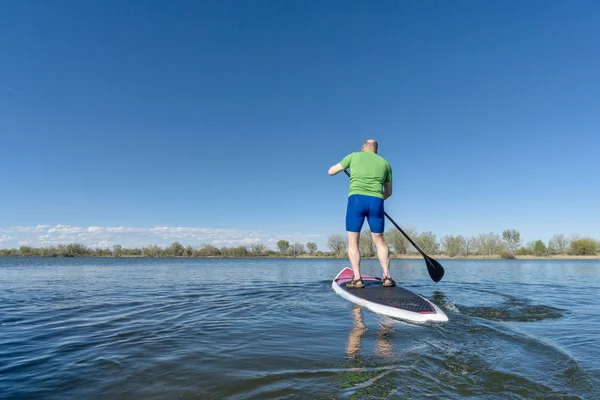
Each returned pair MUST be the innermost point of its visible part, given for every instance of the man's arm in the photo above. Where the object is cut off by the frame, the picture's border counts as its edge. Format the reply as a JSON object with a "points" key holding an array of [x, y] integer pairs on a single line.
{"points": [[387, 190], [387, 184], [337, 168]]}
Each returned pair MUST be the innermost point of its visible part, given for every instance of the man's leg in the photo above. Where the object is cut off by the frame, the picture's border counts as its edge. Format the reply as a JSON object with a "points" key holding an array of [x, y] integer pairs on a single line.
{"points": [[376, 220], [354, 253], [383, 253], [354, 222]]}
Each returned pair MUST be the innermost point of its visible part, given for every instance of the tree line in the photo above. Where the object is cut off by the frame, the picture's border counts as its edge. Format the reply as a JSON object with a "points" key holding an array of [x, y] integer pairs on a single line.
{"points": [[176, 249], [507, 245]]}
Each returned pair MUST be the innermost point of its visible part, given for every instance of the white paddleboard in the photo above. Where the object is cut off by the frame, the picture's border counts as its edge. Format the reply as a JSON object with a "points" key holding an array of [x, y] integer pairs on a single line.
{"points": [[395, 302]]}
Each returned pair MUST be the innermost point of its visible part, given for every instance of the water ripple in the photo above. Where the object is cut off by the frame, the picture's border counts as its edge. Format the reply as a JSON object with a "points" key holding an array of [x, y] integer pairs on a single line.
{"points": [[156, 329]]}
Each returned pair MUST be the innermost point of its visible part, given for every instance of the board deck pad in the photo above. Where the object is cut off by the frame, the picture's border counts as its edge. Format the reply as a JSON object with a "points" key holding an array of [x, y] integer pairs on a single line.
{"points": [[390, 296], [394, 301]]}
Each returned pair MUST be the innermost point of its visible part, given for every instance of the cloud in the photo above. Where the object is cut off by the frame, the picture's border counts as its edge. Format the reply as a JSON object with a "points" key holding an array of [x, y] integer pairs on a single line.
{"points": [[108, 236], [13, 90], [102, 244]]}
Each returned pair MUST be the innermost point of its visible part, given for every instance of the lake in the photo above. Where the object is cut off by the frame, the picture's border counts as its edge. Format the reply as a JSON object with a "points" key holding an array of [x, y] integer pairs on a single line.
{"points": [[273, 328]]}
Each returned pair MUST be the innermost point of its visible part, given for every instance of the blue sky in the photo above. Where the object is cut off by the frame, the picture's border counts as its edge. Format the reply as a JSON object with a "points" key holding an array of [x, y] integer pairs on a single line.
{"points": [[217, 121]]}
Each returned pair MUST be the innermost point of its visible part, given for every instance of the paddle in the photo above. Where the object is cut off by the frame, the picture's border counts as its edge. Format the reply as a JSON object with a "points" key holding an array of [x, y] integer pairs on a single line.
{"points": [[435, 269]]}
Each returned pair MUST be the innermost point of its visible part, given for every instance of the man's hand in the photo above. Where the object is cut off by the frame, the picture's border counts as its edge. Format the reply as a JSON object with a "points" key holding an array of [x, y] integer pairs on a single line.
{"points": [[337, 168]]}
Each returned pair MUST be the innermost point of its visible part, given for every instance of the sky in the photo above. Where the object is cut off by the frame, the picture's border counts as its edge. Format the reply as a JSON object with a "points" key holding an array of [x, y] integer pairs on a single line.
{"points": [[146, 122]]}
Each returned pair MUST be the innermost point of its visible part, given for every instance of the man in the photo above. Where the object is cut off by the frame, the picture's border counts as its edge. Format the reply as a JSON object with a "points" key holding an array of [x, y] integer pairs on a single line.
{"points": [[370, 185]]}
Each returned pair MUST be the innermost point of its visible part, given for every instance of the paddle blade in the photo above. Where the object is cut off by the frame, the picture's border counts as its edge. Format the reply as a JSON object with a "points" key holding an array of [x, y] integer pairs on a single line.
{"points": [[435, 269]]}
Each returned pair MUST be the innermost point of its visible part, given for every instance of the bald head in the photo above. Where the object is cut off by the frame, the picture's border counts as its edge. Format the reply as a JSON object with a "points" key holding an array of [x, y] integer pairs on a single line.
{"points": [[370, 145]]}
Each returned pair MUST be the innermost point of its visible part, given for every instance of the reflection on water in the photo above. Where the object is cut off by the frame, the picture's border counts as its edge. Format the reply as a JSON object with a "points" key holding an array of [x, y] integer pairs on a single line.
{"points": [[383, 345], [356, 333], [438, 297]]}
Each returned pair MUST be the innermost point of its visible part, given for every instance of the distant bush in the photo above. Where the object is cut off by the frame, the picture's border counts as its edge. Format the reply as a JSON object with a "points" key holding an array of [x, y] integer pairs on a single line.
{"points": [[584, 247], [525, 251], [508, 255], [539, 248]]}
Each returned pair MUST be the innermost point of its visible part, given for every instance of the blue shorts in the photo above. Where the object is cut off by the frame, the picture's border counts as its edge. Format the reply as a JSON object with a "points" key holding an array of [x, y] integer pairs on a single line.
{"points": [[361, 206]]}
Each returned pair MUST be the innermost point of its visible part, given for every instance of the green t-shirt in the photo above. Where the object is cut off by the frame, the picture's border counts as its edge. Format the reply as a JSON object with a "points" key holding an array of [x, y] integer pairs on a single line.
{"points": [[368, 172]]}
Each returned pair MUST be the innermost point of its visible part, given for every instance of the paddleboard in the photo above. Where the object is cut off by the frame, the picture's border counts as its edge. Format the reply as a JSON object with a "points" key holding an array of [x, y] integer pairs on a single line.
{"points": [[395, 302]]}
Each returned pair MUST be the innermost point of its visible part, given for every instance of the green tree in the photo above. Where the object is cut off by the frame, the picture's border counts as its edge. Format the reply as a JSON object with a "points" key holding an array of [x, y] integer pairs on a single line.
{"points": [[60, 250], [312, 248], [453, 245], [76, 250], [398, 242], [106, 252], [584, 247], [526, 250], [51, 252], [226, 252], [240, 251], [208, 250], [26, 251], [487, 244], [427, 242], [512, 238], [558, 244], [283, 246], [337, 244], [9, 252], [469, 244], [539, 248], [297, 249], [118, 250], [176, 249], [152, 251], [258, 250]]}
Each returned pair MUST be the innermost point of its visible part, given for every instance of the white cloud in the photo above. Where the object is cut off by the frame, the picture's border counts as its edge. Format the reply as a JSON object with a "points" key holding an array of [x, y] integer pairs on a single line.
{"points": [[15, 91], [250, 240], [102, 244], [107, 236]]}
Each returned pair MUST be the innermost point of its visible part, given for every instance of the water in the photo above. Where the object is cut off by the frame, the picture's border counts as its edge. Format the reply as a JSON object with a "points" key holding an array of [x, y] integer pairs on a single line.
{"points": [[271, 329]]}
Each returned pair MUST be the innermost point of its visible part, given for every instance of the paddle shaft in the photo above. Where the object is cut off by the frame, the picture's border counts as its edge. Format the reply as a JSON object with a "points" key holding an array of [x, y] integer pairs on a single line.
{"points": [[435, 269], [400, 229]]}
